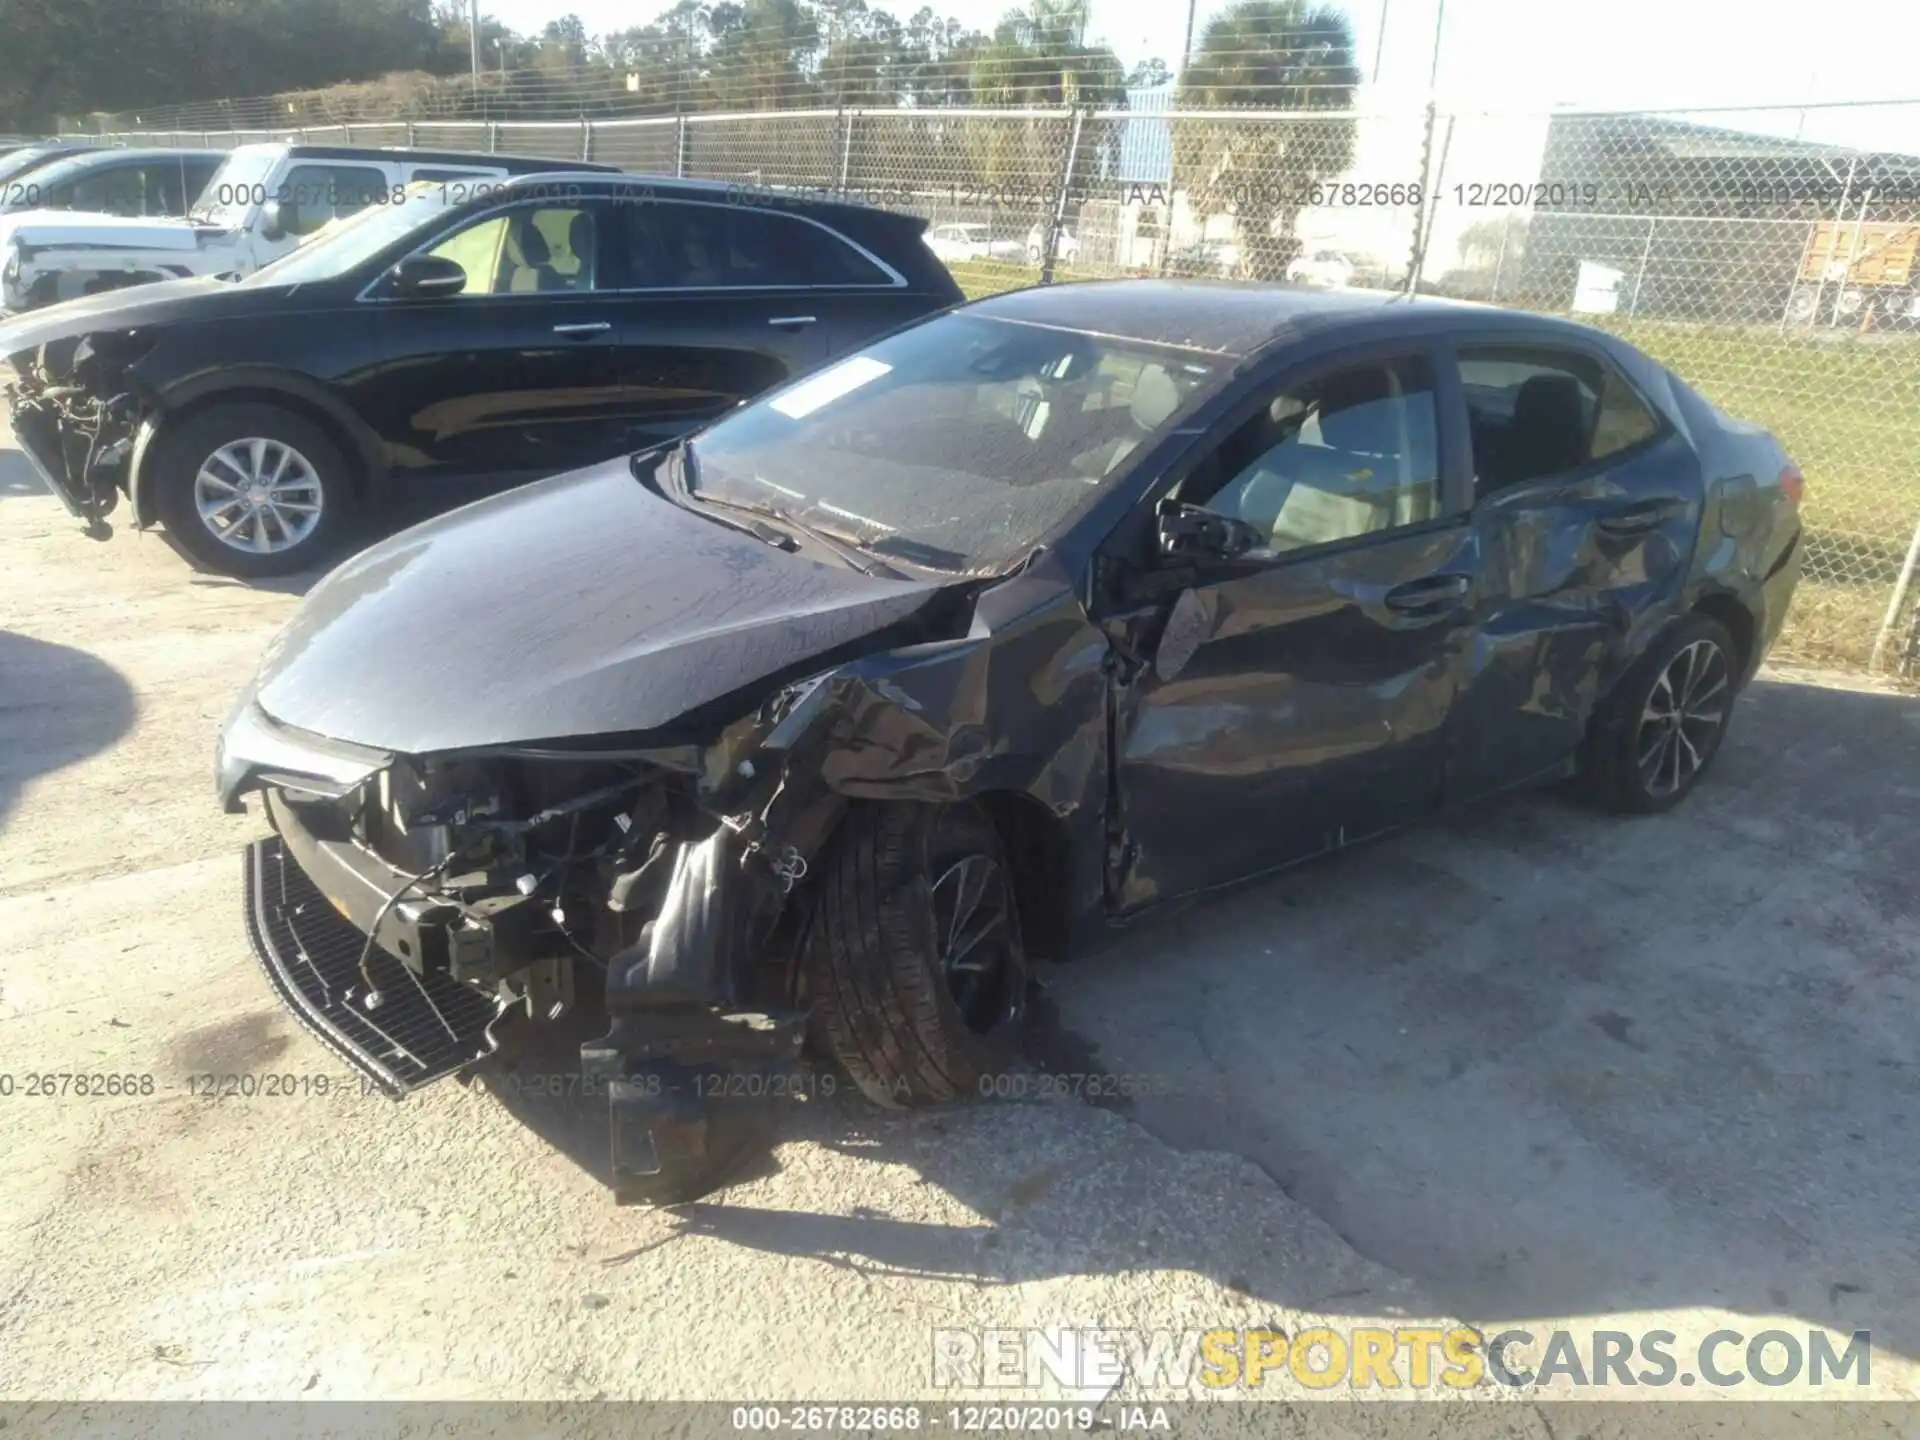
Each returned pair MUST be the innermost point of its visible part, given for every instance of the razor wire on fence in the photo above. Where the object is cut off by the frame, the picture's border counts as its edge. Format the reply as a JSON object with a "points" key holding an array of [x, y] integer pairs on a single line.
{"points": [[1777, 274]]}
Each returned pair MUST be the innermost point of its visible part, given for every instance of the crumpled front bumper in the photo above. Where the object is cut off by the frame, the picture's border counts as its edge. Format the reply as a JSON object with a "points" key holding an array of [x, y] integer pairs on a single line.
{"points": [[694, 1087], [400, 1029]]}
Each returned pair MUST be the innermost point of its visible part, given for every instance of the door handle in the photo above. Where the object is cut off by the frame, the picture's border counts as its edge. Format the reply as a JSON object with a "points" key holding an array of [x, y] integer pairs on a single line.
{"points": [[793, 320], [584, 327], [1638, 519], [1428, 594]]}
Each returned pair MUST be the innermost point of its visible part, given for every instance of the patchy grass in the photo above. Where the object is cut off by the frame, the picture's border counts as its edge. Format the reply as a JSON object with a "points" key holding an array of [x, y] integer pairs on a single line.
{"points": [[981, 278]]}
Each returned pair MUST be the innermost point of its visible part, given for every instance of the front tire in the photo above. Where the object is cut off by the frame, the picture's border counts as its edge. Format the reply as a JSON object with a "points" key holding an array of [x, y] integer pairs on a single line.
{"points": [[1659, 730], [252, 490], [914, 965]]}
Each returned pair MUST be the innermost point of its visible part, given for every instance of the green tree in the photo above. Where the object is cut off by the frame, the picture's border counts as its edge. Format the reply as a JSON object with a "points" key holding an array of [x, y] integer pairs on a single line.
{"points": [[1293, 55], [760, 53], [1149, 74]]}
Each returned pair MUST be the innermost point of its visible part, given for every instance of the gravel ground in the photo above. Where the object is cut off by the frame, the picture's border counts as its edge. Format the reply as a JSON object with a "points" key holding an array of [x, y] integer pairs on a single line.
{"points": [[1538, 1067]]}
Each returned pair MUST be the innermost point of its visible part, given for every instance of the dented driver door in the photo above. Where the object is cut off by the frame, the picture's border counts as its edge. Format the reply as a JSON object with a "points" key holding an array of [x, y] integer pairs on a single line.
{"points": [[1295, 698]]}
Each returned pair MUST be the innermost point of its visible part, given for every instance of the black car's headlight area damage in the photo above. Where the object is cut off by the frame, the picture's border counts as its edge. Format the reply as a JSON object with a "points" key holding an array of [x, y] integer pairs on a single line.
{"points": [[77, 413], [408, 906]]}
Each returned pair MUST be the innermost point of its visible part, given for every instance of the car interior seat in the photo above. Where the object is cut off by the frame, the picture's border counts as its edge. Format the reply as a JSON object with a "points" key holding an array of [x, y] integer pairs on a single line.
{"points": [[1549, 433], [531, 257], [580, 244], [1156, 396]]}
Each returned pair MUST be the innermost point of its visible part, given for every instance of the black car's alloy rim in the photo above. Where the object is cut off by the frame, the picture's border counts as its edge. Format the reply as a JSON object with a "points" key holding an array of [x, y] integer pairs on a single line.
{"points": [[1680, 722], [973, 924], [257, 495]]}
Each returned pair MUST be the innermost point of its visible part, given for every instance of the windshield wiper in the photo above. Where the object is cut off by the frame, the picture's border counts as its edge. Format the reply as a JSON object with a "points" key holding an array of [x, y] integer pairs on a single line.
{"points": [[684, 475], [673, 489]]}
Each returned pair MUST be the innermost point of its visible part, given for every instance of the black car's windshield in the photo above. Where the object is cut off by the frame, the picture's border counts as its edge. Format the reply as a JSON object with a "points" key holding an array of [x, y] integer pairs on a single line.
{"points": [[348, 243], [955, 445]]}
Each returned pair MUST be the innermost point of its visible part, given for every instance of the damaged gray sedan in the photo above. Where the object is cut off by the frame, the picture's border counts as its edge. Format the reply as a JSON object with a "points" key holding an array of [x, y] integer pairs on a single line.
{"points": [[832, 724]]}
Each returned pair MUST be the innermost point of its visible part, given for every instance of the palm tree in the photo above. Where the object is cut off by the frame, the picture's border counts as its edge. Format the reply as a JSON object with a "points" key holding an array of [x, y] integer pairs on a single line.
{"points": [[1290, 55]]}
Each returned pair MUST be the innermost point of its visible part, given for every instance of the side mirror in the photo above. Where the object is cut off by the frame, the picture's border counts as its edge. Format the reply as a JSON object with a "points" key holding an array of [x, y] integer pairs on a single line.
{"points": [[423, 277], [273, 221], [1189, 533]]}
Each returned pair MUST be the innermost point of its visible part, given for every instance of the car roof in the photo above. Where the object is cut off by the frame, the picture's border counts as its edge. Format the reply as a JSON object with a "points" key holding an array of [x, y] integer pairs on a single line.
{"points": [[519, 164], [1240, 318], [819, 203], [103, 156]]}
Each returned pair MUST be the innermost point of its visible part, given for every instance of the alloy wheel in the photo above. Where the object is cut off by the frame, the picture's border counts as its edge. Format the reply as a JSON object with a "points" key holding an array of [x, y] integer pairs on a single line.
{"points": [[1680, 723], [975, 930], [258, 495]]}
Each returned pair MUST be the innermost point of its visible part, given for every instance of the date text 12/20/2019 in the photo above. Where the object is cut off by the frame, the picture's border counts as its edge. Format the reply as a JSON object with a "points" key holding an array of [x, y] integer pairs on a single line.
{"points": [[955, 1419]]}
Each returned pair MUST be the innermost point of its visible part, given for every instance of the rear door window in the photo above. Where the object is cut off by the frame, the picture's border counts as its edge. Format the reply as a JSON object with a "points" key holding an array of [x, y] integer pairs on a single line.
{"points": [[728, 247], [1538, 411]]}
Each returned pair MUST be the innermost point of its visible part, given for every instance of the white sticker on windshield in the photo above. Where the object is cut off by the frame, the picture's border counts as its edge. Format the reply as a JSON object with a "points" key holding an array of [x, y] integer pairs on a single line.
{"points": [[829, 385]]}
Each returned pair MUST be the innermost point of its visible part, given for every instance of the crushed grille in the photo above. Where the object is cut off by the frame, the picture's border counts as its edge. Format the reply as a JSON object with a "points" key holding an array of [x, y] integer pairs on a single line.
{"points": [[424, 1028]]}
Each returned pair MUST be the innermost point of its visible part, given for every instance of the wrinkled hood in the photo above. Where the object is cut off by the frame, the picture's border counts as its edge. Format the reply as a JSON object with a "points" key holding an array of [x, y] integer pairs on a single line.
{"points": [[85, 227], [163, 302], [581, 605]]}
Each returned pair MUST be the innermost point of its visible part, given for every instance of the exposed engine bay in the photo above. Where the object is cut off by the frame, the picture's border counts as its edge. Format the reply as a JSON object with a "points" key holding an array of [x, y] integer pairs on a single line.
{"points": [[408, 915], [78, 417]]}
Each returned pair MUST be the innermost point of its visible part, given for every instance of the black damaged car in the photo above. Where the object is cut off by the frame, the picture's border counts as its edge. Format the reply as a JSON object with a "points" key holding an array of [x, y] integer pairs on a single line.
{"points": [[838, 720]]}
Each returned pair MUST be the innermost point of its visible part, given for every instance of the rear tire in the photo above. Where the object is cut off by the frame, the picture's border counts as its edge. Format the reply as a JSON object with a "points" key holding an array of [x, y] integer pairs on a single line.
{"points": [[273, 480], [1659, 730], [913, 960]]}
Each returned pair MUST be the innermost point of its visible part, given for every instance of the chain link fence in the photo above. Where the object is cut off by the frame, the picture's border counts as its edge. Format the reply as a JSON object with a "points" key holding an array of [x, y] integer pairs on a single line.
{"points": [[1776, 273]]}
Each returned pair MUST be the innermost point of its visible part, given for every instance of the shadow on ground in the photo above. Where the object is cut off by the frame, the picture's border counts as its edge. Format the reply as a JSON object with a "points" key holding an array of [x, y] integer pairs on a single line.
{"points": [[58, 705], [17, 476], [1541, 1061]]}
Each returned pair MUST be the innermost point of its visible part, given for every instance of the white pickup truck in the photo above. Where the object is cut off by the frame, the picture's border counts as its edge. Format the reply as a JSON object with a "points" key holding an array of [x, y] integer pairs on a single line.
{"points": [[263, 201]]}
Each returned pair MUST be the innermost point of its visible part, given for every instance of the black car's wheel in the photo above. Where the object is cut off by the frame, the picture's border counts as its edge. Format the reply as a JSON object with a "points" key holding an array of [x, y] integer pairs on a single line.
{"points": [[915, 970], [251, 490], [1656, 734]]}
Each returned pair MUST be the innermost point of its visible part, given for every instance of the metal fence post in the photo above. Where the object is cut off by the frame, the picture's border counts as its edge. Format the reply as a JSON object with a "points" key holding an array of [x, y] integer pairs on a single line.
{"points": [[846, 147], [680, 146], [493, 137], [586, 138], [1433, 184], [349, 130], [1428, 198], [1059, 216], [1853, 255], [1500, 261], [1633, 301], [410, 140]]}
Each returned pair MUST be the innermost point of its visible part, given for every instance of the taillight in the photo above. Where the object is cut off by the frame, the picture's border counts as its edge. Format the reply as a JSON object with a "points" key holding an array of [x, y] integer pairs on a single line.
{"points": [[1792, 483]]}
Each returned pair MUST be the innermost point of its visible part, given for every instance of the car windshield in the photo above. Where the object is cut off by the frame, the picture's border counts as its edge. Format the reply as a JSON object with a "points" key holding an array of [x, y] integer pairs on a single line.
{"points": [[236, 187], [351, 241], [956, 445]]}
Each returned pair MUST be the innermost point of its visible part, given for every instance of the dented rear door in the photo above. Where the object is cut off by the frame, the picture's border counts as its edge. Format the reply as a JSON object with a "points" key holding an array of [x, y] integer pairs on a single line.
{"points": [[1586, 541]]}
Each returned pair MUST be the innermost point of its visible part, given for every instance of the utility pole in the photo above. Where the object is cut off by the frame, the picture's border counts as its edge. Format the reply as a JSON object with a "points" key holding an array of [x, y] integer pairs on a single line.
{"points": [[473, 37], [1380, 43], [1186, 51]]}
